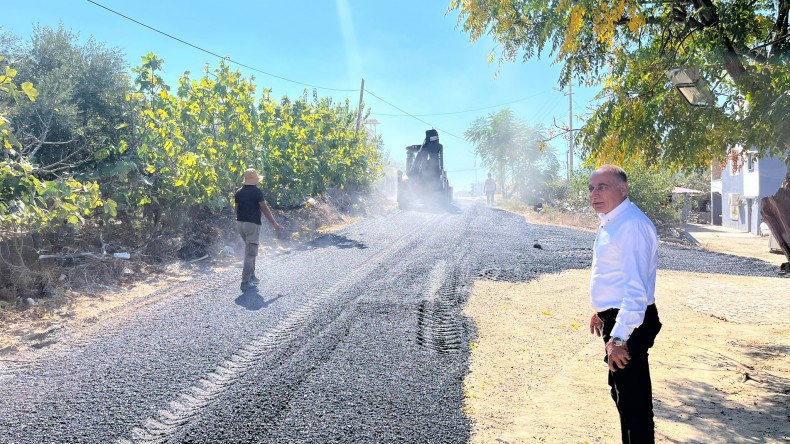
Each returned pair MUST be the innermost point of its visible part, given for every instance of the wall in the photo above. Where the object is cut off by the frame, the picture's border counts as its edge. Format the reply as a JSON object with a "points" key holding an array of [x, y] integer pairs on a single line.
{"points": [[753, 180]]}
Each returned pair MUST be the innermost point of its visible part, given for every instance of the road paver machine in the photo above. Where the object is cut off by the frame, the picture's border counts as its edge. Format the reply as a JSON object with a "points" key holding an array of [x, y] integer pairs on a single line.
{"points": [[425, 180]]}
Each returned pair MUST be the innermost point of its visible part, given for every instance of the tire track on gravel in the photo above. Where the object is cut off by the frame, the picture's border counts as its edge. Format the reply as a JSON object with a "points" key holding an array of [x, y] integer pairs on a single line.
{"points": [[166, 423]]}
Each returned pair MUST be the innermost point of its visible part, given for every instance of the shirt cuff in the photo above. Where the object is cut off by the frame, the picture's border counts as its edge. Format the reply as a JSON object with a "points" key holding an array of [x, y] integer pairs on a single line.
{"points": [[621, 331]]}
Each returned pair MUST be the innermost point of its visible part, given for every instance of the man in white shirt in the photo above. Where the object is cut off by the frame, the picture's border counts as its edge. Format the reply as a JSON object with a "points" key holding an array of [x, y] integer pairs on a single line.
{"points": [[622, 292]]}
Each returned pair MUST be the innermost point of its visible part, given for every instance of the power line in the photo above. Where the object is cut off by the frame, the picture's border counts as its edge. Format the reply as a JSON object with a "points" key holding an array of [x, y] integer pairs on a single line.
{"points": [[412, 115], [546, 109], [264, 72], [217, 55], [464, 111]]}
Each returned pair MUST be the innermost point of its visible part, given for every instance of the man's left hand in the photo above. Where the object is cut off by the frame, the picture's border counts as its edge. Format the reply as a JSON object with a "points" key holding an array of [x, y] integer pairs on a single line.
{"points": [[596, 325], [618, 357]]}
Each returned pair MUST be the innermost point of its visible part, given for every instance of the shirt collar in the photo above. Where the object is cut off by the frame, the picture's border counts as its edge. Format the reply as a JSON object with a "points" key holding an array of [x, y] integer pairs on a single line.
{"points": [[618, 210]]}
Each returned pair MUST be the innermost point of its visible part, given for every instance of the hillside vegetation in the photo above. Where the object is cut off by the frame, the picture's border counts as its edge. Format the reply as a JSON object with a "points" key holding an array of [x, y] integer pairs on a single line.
{"points": [[98, 158]]}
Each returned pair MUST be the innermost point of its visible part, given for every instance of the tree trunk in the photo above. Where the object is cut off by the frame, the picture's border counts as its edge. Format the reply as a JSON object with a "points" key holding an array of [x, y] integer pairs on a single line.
{"points": [[775, 211]]}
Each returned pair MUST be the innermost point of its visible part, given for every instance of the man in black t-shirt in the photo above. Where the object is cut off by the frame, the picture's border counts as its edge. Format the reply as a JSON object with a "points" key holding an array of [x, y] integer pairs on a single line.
{"points": [[249, 205]]}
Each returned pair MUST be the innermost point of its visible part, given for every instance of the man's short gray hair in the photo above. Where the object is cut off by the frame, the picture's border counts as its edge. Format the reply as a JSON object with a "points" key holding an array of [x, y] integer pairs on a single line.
{"points": [[618, 172]]}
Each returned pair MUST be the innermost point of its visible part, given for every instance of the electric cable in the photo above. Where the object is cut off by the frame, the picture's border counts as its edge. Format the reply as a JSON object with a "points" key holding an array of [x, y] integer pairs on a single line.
{"points": [[412, 115], [252, 68], [466, 110]]}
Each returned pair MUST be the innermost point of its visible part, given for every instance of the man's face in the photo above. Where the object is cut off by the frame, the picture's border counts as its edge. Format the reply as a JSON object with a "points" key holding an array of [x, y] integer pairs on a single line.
{"points": [[606, 192]]}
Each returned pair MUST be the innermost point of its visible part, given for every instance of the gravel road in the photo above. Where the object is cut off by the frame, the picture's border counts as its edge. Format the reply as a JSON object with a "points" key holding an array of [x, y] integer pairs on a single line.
{"points": [[356, 336]]}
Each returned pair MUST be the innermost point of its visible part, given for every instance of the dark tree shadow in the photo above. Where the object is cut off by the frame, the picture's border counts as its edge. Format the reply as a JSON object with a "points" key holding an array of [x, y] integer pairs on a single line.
{"points": [[767, 351], [706, 407], [252, 300], [699, 229], [331, 240]]}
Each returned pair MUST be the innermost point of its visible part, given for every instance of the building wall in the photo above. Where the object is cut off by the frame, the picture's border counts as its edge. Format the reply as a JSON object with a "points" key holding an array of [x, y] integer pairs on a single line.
{"points": [[743, 189]]}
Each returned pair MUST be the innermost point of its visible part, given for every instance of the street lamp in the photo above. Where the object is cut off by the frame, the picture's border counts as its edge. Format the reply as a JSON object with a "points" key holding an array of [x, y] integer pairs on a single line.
{"points": [[691, 86]]}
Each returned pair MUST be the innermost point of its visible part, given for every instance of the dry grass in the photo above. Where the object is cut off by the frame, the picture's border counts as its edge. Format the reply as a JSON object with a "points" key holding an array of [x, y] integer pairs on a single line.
{"points": [[552, 216]]}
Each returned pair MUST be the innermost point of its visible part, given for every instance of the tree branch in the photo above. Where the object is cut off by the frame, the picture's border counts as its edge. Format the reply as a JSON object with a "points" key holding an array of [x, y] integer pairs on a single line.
{"points": [[780, 26], [732, 63], [72, 256], [772, 42], [565, 130], [40, 140], [56, 166]]}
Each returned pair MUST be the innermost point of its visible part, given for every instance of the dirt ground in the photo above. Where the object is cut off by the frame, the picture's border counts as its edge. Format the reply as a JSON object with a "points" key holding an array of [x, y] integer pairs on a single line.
{"points": [[720, 367]]}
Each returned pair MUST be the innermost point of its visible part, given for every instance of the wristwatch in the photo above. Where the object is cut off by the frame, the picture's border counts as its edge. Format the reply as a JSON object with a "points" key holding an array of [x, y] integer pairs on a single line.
{"points": [[617, 342]]}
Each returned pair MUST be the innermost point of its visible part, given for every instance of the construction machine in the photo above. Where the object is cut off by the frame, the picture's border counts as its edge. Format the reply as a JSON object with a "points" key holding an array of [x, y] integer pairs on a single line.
{"points": [[425, 184]]}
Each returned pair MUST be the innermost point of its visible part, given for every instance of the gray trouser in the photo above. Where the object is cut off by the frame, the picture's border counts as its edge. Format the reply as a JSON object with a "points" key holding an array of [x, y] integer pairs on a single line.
{"points": [[250, 233]]}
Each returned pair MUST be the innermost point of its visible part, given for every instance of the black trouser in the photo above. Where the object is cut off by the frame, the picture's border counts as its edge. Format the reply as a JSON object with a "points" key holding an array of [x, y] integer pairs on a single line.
{"points": [[631, 388]]}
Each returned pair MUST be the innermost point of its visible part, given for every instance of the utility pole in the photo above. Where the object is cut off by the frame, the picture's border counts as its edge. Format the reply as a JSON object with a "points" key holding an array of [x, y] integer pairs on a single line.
{"points": [[570, 131], [359, 108]]}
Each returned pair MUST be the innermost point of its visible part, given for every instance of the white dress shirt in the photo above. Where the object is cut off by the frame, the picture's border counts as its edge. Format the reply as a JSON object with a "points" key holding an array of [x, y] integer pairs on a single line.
{"points": [[625, 258]]}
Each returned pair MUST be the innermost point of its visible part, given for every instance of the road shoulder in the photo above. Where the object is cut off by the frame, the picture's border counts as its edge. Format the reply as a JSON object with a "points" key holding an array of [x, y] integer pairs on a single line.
{"points": [[721, 371]]}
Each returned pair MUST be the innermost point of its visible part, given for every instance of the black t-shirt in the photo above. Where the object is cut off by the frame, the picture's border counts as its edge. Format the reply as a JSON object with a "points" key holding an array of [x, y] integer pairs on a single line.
{"points": [[248, 207]]}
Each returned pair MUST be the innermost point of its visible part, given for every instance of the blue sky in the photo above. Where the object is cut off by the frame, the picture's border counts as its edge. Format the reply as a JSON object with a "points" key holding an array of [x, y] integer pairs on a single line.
{"points": [[410, 53]]}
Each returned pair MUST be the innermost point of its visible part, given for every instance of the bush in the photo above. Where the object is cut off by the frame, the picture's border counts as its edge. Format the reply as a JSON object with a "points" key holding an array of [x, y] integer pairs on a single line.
{"points": [[648, 187]]}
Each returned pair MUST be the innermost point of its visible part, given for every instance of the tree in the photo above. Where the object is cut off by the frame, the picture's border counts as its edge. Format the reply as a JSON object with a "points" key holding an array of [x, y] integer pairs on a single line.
{"points": [[628, 46], [515, 152], [72, 125], [28, 202], [191, 147]]}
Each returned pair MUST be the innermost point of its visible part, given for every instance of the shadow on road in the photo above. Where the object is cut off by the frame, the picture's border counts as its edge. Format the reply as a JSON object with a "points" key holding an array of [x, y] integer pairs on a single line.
{"points": [[252, 300], [705, 407], [331, 240]]}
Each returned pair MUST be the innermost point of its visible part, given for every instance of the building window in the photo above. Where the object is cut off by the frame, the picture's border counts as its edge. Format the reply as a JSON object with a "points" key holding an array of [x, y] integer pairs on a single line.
{"points": [[734, 202], [751, 161]]}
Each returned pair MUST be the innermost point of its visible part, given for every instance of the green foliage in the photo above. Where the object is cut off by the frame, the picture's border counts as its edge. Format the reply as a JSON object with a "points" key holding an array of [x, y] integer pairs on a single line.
{"points": [[192, 147], [27, 202], [12, 93], [86, 143], [695, 179], [514, 152], [71, 125], [649, 187], [628, 46]]}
